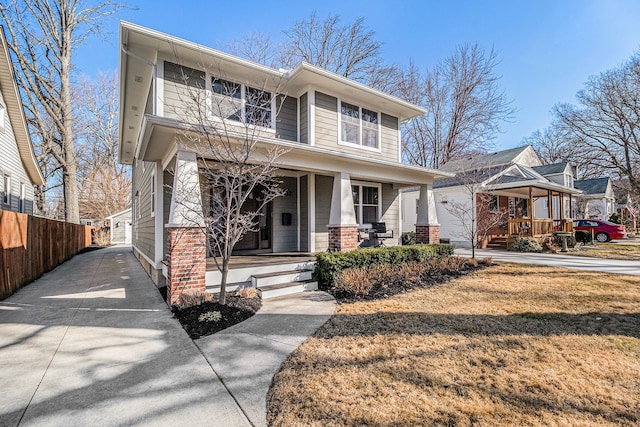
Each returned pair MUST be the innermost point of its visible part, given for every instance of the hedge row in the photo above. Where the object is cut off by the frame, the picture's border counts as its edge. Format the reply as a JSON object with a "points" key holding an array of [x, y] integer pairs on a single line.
{"points": [[329, 264]]}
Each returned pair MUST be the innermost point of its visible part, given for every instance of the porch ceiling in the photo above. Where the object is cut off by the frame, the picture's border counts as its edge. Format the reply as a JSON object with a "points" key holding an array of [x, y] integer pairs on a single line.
{"points": [[539, 189], [160, 139]]}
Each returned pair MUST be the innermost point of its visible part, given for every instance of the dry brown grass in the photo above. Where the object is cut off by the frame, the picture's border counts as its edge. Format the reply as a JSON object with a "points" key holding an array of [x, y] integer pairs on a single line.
{"points": [[511, 345], [609, 251]]}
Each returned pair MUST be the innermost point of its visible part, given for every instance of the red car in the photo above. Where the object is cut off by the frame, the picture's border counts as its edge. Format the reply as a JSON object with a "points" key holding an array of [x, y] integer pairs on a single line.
{"points": [[603, 231]]}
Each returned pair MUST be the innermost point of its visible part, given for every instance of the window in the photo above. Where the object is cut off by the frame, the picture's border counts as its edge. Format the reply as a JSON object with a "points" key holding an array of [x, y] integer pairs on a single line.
{"points": [[227, 99], [494, 206], [569, 181], [6, 196], [241, 103], [23, 196], [366, 201], [359, 126], [2, 113], [153, 193]]}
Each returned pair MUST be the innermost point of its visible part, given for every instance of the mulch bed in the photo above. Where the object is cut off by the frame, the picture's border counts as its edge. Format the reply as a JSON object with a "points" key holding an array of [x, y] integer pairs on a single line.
{"points": [[388, 290], [236, 310]]}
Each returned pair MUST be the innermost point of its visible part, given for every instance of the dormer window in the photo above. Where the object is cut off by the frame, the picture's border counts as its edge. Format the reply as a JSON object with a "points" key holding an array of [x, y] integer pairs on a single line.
{"points": [[241, 103], [569, 181], [359, 126]]}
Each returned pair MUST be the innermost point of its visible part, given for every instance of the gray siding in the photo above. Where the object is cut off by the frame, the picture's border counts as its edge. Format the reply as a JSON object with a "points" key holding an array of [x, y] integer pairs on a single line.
{"points": [[286, 122], [11, 164], [182, 86], [326, 128], [304, 119], [285, 237], [390, 212], [118, 226], [143, 229], [327, 121], [304, 213], [324, 189]]}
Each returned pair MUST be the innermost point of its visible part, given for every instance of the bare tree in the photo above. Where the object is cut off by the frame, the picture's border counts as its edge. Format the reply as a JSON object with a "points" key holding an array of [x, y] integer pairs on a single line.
{"points": [[473, 213], [235, 166], [465, 107], [606, 122], [105, 185], [42, 36], [346, 49], [256, 47], [556, 143]]}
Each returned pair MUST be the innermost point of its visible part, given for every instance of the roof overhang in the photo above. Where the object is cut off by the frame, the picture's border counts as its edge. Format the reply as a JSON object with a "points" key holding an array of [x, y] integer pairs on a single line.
{"points": [[15, 111], [161, 137], [141, 48], [535, 184]]}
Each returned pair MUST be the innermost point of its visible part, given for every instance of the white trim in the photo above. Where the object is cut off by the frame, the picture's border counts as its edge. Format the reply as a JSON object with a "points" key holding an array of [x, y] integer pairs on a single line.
{"points": [[152, 193], [6, 185], [22, 203], [377, 149], [3, 114], [298, 209], [298, 119], [143, 255], [159, 220], [399, 141], [312, 211], [359, 204], [159, 88], [311, 117]]}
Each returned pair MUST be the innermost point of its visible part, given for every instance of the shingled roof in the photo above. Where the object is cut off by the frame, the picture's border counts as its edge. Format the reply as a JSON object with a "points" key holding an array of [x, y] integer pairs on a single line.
{"points": [[592, 186], [552, 169]]}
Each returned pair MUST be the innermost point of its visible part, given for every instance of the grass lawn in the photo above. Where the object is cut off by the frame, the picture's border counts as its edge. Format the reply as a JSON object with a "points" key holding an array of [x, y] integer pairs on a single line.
{"points": [[510, 345], [609, 250]]}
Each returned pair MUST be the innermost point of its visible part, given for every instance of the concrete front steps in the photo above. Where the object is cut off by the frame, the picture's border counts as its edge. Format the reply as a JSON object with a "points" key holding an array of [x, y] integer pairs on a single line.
{"points": [[277, 284], [498, 242], [270, 281]]}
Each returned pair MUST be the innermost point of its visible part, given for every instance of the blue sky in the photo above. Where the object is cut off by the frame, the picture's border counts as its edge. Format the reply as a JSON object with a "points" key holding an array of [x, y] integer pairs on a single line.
{"points": [[548, 48]]}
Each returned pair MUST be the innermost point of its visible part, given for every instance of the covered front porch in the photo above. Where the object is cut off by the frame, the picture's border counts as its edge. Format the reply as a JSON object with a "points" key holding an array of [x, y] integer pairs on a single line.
{"points": [[535, 211]]}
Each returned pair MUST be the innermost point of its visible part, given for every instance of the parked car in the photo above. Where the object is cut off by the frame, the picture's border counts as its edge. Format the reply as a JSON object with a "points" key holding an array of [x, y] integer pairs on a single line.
{"points": [[603, 231]]}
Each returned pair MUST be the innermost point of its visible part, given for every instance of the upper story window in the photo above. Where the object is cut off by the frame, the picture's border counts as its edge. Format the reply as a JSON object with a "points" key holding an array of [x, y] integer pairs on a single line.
{"points": [[359, 126], [235, 101], [6, 196], [569, 181]]}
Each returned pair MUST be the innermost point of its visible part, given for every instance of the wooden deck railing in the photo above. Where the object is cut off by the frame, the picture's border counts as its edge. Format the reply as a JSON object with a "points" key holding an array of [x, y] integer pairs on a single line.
{"points": [[538, 227]]}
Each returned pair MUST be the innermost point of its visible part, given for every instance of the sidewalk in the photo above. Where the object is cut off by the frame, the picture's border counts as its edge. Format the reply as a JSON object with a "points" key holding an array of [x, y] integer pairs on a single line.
{"points": [[92, 343], [558, 260]]}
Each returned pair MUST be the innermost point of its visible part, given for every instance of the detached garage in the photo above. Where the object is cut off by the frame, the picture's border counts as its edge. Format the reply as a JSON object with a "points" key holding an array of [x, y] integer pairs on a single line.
{"points": [[120, 225]]}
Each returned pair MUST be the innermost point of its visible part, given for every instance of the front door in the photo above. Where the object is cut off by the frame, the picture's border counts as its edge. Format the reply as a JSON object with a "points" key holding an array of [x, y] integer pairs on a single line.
{"points": [[255, 240]]}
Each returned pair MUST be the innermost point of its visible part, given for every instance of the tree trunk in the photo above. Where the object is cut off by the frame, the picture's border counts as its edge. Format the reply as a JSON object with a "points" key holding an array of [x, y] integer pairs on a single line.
{"points": [[223, 281], [70, 175]]}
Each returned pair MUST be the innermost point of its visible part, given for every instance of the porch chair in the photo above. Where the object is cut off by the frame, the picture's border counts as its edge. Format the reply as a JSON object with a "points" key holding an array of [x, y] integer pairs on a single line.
{"points": [[380, 233]]}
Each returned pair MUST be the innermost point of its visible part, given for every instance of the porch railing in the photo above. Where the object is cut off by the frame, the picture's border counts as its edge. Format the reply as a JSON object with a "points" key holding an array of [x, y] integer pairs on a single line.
{"points": [[538, 227]]}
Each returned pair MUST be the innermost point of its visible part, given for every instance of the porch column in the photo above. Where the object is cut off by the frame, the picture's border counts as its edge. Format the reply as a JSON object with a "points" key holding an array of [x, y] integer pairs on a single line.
{"points": [[343, 227], [427, 227], [186, 232]]}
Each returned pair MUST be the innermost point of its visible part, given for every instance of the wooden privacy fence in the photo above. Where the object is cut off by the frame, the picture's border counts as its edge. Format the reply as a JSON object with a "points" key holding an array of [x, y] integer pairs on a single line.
{"points": [[31, 246]]}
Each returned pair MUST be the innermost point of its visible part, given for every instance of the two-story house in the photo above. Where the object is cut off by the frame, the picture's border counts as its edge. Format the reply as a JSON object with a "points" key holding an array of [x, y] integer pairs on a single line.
{"points": [[19, 170], [341, 168]]}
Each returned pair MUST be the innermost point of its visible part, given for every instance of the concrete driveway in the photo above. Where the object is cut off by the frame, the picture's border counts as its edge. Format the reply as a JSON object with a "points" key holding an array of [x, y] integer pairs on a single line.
{"points": [[558, 260], [92, 343]]}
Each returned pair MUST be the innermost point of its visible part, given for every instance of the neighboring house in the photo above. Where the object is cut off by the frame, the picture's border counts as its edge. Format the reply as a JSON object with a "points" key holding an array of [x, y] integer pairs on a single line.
{"points": [[120, 227], [512, 181], [597, 199], [19, 170], [342, 168]]}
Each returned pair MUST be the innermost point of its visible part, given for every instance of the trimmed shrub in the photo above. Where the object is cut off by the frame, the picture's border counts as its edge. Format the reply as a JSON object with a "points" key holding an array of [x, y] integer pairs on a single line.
{"points": [[408, 238], [329, 264], [525, 244], [583, 236]]}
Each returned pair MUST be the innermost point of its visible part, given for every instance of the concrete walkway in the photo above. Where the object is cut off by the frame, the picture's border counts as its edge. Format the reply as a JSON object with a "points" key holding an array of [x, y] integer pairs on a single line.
{"points": [[558, 260], [92, 343]]}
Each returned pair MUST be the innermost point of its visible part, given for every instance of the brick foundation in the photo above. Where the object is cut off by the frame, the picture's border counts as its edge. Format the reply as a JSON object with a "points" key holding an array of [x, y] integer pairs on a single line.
{"points": [[427, 234], [343, 238], [187, 262]]}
